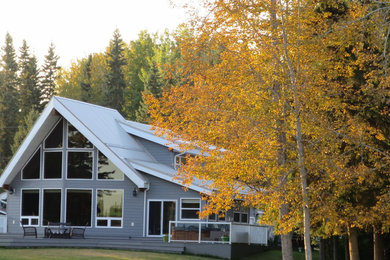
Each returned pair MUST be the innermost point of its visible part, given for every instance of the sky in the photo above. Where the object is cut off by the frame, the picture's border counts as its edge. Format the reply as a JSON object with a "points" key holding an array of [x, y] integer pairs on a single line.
{"points": [[80, 27]]}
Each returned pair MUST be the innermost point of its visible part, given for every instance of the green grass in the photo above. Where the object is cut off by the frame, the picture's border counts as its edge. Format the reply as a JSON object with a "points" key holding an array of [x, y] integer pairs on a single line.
{"points": [[103, 254]]}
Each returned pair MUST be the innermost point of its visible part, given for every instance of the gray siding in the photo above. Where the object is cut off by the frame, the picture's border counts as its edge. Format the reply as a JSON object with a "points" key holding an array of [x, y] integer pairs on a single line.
{"points": [[161, 153]]}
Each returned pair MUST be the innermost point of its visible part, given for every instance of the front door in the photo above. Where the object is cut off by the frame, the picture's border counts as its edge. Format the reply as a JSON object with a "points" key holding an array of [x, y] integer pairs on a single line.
{"points": [[160, 213]]}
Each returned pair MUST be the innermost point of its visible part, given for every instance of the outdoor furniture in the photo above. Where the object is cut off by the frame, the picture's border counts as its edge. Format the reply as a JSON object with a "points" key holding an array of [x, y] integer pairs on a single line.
{"points": [[57, 230], [29, 231], [77, 232]]}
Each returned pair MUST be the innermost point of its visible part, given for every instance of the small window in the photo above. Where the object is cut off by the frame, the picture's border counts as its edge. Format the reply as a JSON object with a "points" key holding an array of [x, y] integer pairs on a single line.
{"points": [[76, 139], [52, 165], [107, 170], [54, 140], [180, 160], [240, 217], [109, 208], [79, 165], [30, 207], [190, 208], [32, 168]]}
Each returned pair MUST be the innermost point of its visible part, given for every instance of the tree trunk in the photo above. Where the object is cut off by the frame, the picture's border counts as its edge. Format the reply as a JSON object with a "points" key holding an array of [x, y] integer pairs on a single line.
{"points": [[286, 239], [379, 253], [353, 244], [346, 248]]}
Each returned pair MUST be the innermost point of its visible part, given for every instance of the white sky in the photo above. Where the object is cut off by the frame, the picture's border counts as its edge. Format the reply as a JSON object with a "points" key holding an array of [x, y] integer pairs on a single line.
{"points": [[80, 27]]}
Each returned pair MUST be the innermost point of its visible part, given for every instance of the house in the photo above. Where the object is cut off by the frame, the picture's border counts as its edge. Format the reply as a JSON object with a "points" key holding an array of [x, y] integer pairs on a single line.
{"points": [[86, 165]]}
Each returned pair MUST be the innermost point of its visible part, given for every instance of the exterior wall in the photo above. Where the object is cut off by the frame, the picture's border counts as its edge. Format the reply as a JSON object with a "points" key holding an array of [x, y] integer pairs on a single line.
{"points": [[161, 153]]}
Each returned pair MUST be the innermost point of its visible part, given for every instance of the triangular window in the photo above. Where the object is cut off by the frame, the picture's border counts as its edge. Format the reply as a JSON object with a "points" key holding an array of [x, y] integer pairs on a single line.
{"points": [[77, 139], [33, 167], [54, 140]]}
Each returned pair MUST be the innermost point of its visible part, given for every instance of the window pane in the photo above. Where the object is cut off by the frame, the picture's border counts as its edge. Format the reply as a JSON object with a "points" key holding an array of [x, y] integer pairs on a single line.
{"points": [[30, 203], [76, 139], [190, 203], [193, 214], [236, 217], [78, 207], [34, 221], [51, 206], [116, 223], [107, 170], [32, 168], [102, 222], [54, 140], [80, 165], [53, 165], [109, 203], [24, 221], [244, 218]]}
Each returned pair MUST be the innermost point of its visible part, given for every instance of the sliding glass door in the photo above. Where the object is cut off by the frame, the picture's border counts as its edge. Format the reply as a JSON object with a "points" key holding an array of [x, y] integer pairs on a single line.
{"points": [[160, 213]]}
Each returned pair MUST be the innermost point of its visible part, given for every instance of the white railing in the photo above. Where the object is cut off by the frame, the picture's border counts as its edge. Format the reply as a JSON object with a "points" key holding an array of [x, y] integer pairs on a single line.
{"points": [[250, 234], [3, 224], [201, 232], [218, 232]]}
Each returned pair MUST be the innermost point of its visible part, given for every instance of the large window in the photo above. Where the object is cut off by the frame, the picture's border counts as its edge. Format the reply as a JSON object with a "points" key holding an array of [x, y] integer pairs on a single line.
{"points": [[32, 168], [190, 208], [109, 208], [30, 207], [51, 206], [76, 139], [78, 207], [80, 165], [53, 165], [54, 140], [240, 217], [107, 170]]}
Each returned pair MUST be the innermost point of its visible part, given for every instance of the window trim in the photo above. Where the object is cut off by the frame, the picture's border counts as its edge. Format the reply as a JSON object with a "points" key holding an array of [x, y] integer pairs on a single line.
{"points": [[40, 165], [66, 203], [21, 208], [199, 209], [109, 219]]}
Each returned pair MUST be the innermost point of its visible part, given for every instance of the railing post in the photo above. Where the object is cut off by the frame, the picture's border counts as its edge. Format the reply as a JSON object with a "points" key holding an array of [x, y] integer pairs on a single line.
{"points": [[169, 231], [200, 232], [249, 234], [230, 233]]}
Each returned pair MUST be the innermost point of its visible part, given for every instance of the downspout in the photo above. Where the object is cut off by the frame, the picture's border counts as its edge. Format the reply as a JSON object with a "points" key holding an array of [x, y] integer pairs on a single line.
{"points": [[145, 210]]}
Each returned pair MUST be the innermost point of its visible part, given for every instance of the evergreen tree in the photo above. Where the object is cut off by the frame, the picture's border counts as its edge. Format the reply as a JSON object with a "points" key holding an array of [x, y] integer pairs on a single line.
{"points": [[85, 84], [114, 79], [8, 99], [30, 93], [23, 129], [49, 75]]}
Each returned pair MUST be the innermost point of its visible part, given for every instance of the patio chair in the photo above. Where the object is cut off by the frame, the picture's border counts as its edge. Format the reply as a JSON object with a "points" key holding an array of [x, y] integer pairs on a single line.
{"points": [[29, 230]]}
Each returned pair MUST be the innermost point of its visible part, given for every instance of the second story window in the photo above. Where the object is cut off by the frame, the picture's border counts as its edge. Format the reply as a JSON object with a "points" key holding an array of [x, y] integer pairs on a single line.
{"points": [[180, 159]]}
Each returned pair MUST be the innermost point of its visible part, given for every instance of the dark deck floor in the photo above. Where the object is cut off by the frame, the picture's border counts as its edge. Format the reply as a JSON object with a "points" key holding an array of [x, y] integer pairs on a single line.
{"points": [[140, 244]]}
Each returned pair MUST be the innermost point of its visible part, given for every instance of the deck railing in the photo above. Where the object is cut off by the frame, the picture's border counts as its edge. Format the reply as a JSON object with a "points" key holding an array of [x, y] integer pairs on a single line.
{"points": [[217, 232]]}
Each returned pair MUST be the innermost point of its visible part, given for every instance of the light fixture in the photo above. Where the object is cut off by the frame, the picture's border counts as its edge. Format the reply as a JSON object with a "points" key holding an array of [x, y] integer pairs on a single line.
{"points": [[11, 190], [135, 192]]}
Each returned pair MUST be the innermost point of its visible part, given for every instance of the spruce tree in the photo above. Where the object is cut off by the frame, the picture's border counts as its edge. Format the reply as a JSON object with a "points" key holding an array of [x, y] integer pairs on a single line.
{"points": [[8, 99], [49, 75], [85, 83], [30, 93], [114, 79]]}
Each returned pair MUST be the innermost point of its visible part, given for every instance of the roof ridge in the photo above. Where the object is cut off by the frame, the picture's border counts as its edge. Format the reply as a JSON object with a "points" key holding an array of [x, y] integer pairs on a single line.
{"points": [[58, 98]]}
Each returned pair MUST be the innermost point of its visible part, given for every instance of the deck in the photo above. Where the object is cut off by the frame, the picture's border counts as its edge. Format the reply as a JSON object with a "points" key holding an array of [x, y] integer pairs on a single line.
{"points": [[139, 244]]}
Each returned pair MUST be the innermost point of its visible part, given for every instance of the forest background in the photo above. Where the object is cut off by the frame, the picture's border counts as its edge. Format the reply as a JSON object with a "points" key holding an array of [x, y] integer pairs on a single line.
{"points": [[292, 96]]}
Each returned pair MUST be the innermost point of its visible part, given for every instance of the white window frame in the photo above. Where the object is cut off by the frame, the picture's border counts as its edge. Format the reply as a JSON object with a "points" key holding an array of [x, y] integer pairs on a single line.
{"points": [[80, 150], [179, 157], [40, 165], [66, 203], [30, 218], [241, 213], [109, 219], [198, 209], [162, 214], [43, 163]]}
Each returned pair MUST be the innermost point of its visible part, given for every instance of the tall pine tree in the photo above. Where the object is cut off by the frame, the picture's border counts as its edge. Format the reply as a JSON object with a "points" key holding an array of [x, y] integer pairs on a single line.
{"points": [[85, 84], [30, 93], [49, 75], [114, 79], [8, 99]]}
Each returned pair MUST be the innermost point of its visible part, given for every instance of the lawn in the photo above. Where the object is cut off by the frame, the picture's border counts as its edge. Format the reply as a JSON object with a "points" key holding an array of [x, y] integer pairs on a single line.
{"points": [[102, 254]]}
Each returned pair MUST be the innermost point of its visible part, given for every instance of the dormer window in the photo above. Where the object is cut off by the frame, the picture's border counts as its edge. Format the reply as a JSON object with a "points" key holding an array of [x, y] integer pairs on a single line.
{"points": [[180, 159]]}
